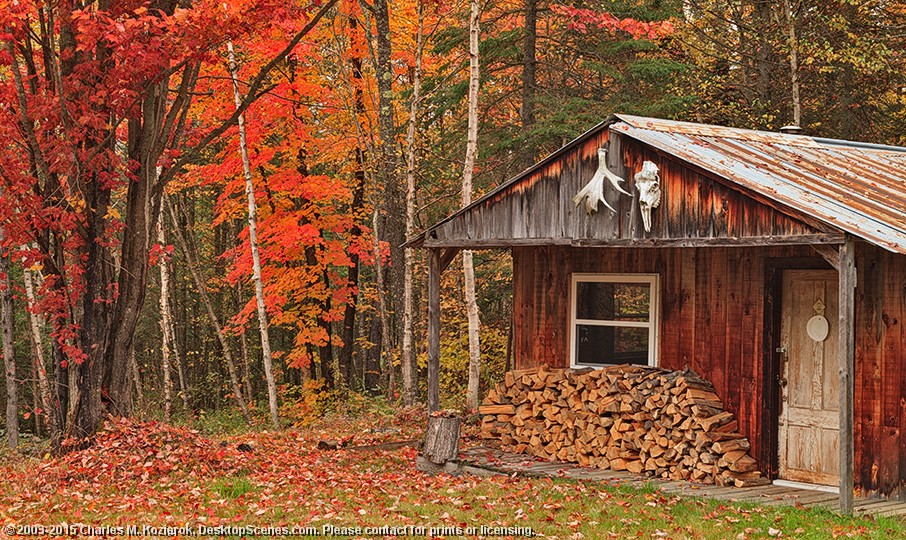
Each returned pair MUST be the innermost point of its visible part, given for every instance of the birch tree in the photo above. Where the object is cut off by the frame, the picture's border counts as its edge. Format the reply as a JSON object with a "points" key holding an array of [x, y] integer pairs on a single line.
{"points": [[408, 356], [35, 332], [165, 325], [253, 243], [468, 168]]}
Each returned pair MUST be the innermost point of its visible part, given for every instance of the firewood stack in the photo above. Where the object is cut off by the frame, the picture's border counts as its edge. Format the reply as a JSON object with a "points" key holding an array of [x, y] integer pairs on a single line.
{"points": [[644, 420]]}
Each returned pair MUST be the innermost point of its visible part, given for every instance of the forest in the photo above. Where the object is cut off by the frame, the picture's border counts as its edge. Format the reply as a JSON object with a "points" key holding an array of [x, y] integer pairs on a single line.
{"points": [[203, 205]]}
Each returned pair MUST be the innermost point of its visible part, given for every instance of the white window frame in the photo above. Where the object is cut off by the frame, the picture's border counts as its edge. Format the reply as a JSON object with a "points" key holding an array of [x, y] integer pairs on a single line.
{"points": [[653, 280]]}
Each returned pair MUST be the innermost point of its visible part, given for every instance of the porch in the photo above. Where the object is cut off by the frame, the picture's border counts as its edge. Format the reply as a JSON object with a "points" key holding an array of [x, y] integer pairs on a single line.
{"points": [[483, 460]]}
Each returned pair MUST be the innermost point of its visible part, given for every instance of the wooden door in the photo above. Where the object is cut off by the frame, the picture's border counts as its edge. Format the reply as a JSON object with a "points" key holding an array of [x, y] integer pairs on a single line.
{"points": [[808, 427]]}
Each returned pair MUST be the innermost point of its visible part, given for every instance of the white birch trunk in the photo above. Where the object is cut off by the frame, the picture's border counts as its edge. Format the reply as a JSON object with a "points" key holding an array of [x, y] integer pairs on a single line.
{"points": [[253, 242], [9, 357], [209, 309], [408, 355], [386, 359], [246, 367], [165, 328], [37, 343], [469, 166]]}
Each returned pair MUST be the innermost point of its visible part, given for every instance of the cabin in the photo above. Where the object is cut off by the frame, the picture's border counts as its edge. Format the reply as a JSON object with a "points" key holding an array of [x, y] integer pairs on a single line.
{"points": [[771, 264]]}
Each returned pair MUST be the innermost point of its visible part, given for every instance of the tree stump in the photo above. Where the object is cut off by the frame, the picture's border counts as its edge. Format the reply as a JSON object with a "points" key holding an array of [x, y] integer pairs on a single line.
{"points": [[441, 440]]}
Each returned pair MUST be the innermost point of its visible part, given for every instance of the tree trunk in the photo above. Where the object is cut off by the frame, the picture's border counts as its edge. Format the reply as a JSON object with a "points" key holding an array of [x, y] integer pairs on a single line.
{"points": [[167, 317], [358, 196], [37, 343], [763, 55], [441, 439], [394, 214], [165, 326], [136, 378], [177, 363], [386, 358], [794, 63], [35, 401], [469, 166], [410, 386], [529, 79], [246, 367], [9, 357], [209, 308], [256, 258]]}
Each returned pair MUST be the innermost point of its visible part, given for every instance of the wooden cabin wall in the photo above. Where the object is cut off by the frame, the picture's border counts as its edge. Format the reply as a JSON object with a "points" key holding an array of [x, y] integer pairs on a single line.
{"points": [[712, 314], [694, 205], [880, 380]]}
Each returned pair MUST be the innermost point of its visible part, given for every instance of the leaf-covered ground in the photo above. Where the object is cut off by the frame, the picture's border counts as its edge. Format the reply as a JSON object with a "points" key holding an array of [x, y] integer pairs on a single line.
{"points": [[148, 474]]}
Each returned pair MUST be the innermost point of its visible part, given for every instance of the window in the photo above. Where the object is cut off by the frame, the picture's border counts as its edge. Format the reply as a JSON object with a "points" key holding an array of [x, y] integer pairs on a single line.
{"points": [[613, 319]]}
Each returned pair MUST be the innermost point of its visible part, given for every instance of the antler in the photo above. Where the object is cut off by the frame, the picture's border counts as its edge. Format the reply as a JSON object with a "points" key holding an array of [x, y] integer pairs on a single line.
{"points": [[593, 192]]}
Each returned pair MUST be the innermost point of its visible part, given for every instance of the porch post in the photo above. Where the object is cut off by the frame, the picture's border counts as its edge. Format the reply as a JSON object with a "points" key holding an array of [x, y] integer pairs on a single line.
{"points": [[434, 270], [846, 329]]}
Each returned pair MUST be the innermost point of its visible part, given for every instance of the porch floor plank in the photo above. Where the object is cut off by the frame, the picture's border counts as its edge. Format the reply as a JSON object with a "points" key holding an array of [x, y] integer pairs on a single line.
{"points": [[810, 499], [875, 508], [899, 511], [763, 494], [496, 461]]}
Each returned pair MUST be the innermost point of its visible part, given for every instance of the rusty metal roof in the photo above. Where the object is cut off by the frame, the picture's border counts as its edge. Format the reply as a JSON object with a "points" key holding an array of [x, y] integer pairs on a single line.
{"points": [[857, 187]]}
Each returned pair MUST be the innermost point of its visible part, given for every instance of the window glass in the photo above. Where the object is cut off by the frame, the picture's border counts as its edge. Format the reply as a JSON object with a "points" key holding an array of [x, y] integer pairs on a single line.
{"points": [[601, 345], [613, 301]]}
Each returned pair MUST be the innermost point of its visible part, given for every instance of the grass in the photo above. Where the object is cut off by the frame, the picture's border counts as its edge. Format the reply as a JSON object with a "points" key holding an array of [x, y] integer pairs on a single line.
{"points": [[148, 474], [232, 487]]}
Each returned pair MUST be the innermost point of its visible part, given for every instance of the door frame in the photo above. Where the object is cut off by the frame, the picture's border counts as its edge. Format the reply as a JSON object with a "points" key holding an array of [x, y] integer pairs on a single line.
{"points": [[771, 360]]}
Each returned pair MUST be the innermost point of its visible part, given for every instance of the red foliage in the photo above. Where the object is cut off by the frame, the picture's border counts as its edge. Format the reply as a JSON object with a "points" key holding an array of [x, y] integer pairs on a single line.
{"points": [[132, 453], [308, 230], [580, 19]]}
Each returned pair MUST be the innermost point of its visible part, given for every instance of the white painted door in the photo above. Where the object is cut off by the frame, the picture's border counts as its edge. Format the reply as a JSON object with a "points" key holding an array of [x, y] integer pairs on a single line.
{"points": [[808, 430]]}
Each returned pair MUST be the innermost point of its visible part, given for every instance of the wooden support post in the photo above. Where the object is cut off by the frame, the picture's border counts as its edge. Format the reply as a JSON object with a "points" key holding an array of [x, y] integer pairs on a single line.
{"points": [[434, 270], [847, 271]]}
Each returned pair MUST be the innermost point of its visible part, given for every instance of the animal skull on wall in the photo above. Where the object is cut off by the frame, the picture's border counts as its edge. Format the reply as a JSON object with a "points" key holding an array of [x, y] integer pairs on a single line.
{"points": [[648, 182], [593, 192]]}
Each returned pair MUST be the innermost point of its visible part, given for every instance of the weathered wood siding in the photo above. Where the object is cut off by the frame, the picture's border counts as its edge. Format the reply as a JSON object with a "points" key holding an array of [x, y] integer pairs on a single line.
{"points": [[694, 205], [880, 379], [712, 314], [719, 316]]}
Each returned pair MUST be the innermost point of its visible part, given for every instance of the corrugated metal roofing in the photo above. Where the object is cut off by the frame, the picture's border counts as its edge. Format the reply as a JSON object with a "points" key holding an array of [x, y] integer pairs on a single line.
{"points": [[858, 188]]}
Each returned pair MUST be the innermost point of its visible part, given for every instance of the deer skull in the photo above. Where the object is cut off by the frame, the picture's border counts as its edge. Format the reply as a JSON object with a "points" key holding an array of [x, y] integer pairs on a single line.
{"points": [[648, 183]]}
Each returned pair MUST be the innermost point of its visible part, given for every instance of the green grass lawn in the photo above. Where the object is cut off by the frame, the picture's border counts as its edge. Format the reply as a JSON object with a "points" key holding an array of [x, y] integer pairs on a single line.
{"points": [[154, 475]]}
